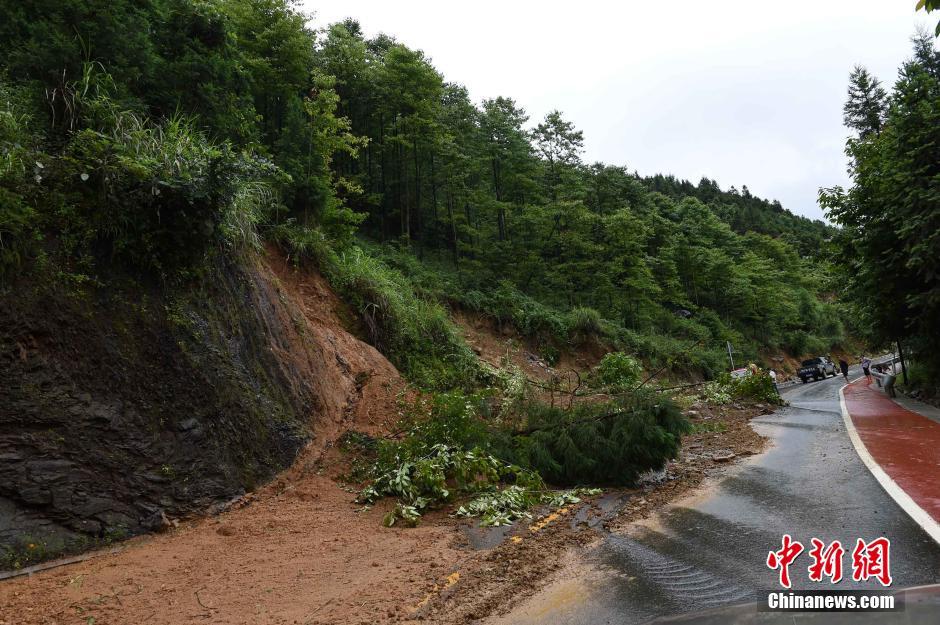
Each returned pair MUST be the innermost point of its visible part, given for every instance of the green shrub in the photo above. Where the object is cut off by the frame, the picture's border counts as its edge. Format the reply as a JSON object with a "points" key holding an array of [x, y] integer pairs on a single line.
{"points": [[155, 195], [415, 332], [755, 386], [655, 349], [447, 418], [158, 195], [453, 447], [501, 493], [717, 393], [920, 377], [439, 476], [797, 342], [448, 454], [500, 507], [303, 242], [817, 344], [617, 371], [528, 316], [512, 503], [442, 457], [584, 322]]}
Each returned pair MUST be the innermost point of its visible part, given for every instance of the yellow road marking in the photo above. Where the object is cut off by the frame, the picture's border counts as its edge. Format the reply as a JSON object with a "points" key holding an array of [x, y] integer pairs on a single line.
{"points": [[535, 527], [452, 579]]}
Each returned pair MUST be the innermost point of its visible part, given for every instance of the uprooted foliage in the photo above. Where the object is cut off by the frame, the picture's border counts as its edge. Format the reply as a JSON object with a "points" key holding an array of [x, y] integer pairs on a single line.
{"points": [[494, 461], [501, 492], [603, 443], [756, 386]]}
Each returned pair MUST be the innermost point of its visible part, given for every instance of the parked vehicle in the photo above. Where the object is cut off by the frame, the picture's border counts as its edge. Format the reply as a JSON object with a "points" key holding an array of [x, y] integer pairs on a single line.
{"points": [[818, 368]]}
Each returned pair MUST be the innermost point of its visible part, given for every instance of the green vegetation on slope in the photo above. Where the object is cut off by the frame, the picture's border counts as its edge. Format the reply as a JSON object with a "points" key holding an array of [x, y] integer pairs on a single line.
{"points": [[748, 213]]}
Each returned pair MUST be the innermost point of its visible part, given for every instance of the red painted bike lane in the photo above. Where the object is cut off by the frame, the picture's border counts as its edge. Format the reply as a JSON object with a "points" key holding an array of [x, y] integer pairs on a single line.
{"points": [[905, 446]]}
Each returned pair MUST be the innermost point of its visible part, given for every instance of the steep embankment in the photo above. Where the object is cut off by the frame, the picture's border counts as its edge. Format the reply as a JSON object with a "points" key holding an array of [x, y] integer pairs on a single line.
{"points": [[297, 549], [120, 409]]}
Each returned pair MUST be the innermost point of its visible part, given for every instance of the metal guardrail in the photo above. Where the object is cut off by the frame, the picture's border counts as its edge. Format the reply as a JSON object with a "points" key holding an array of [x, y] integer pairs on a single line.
{"points": [[887, 360], [887, 380]]}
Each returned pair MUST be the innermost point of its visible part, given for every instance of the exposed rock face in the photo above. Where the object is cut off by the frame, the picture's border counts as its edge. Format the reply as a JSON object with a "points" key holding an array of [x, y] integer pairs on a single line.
{"points": [[121, 409]]}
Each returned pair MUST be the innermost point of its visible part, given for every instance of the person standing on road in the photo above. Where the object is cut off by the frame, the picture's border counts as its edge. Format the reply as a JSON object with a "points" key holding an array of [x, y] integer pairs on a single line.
{"points": [[844, 366], [866, 367], [773, 378]]}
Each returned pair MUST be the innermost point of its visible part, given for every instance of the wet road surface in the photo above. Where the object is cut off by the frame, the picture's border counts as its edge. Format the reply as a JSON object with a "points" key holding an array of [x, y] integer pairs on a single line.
{"points": [[711, 551]]}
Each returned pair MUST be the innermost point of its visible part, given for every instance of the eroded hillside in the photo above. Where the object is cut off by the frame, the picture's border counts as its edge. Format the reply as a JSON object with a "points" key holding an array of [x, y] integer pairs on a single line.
{"points": [[299, 539], [121, 411]]}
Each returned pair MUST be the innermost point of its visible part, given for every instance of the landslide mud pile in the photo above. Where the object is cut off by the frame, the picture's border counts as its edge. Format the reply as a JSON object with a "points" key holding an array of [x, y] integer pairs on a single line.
{"points": [[122, 408]]}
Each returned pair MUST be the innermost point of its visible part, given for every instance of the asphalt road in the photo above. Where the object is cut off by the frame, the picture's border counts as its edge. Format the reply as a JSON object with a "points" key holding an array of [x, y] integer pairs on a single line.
{"points": [[712, 551]]}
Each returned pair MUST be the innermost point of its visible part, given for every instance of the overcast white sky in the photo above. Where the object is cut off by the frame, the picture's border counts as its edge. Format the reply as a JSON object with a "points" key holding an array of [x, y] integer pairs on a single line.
{"points": [[744, 92]]}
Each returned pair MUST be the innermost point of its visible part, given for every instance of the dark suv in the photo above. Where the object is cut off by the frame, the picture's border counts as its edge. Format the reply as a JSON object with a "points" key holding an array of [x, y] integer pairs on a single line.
{"points": [[818, 368]]}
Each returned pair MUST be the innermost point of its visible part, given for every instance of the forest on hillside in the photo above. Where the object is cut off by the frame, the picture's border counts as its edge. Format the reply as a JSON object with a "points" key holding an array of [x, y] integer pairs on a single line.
{"points": [[150, 135]]}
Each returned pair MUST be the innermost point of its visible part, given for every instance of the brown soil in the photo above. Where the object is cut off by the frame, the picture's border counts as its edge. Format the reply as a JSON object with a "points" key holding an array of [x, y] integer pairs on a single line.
{"points": [[303, 555], [356, 386], [495, 344], [301, 551]]}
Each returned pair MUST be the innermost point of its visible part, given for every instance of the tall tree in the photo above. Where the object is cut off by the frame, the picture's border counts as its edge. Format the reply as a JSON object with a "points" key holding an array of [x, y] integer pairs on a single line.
{"points": [[866, 105], [313, 136], [560, 144], [502, 124], [277, 52]]}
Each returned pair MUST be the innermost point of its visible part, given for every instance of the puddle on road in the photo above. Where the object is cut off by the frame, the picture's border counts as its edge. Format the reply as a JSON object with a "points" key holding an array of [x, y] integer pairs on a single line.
{"points": [[708, 489]]}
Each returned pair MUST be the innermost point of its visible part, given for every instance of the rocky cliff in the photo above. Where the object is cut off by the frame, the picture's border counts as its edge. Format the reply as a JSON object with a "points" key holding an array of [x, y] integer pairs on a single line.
{"points": [[122, 406]]}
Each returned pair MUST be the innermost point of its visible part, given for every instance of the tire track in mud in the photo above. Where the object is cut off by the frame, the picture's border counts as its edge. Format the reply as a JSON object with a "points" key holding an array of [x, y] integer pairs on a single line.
{"points": [[678, 582]]}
